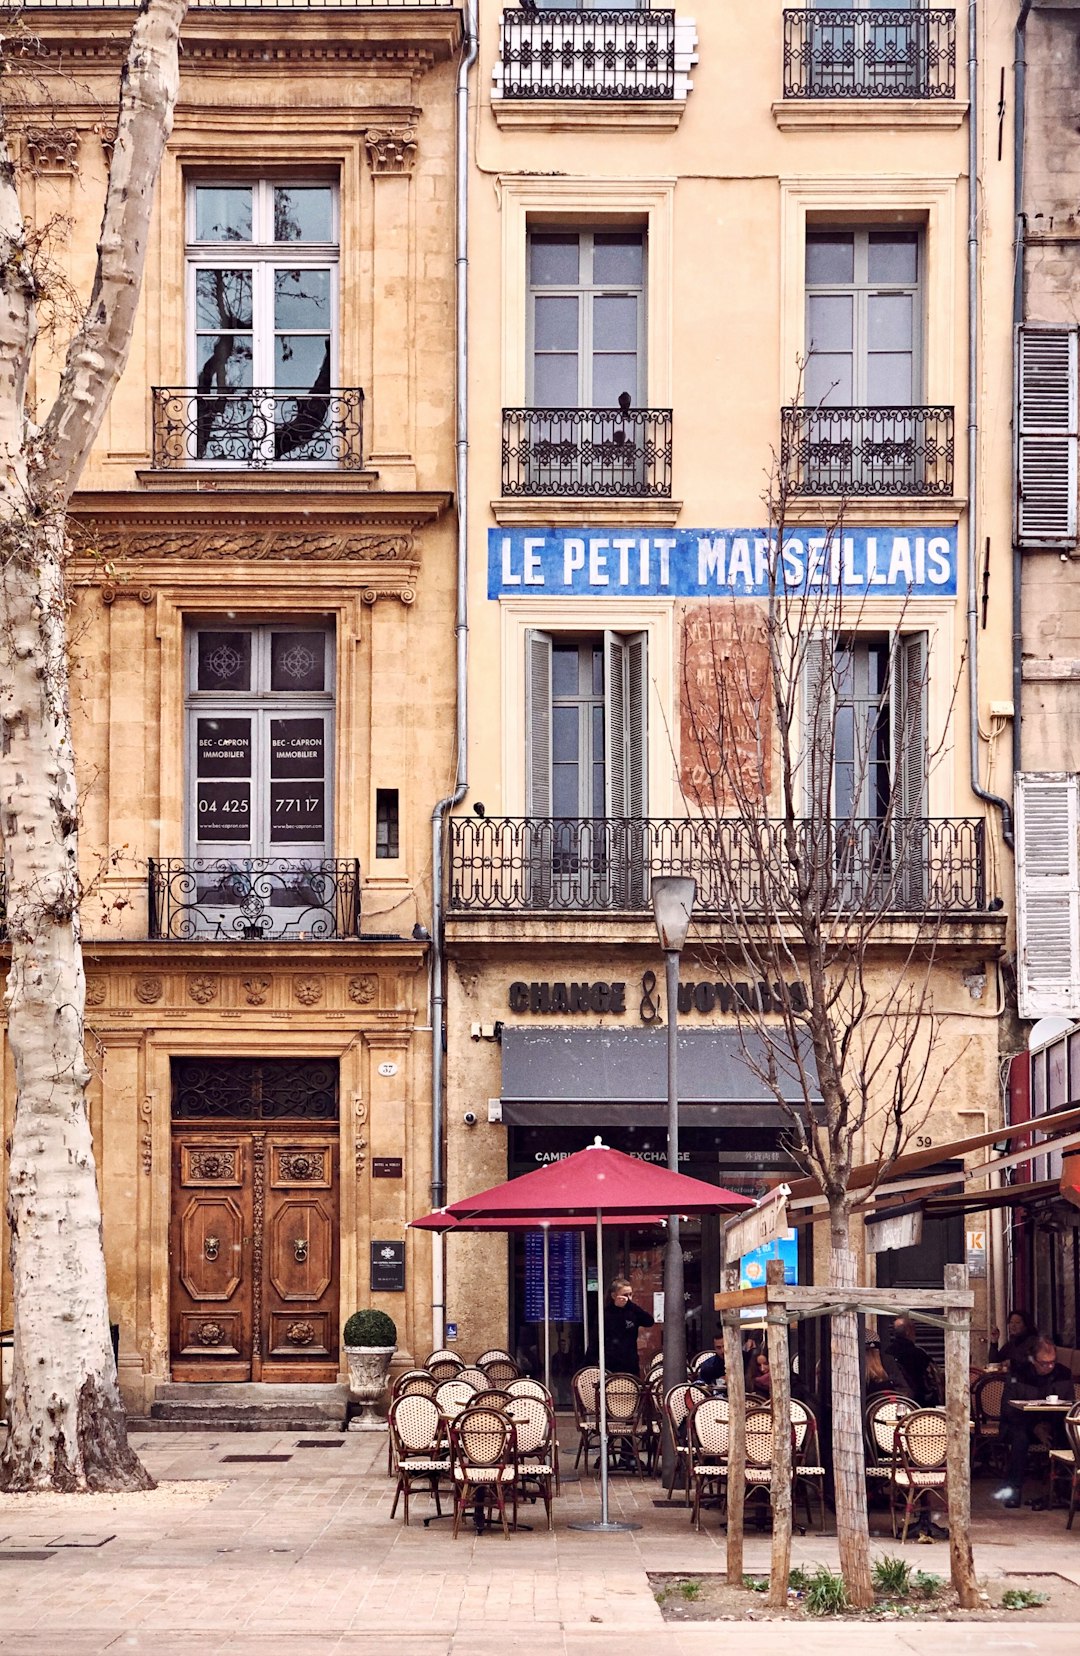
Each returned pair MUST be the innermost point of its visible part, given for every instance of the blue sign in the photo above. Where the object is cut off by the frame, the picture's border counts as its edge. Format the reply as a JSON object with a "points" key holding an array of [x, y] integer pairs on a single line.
{"points": [[752, 1265], [728, 563]]}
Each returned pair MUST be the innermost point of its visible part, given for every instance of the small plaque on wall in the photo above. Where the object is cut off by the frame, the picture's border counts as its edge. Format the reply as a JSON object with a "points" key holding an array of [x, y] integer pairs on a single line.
{"points": [[388, 1267], [387, 1167]]}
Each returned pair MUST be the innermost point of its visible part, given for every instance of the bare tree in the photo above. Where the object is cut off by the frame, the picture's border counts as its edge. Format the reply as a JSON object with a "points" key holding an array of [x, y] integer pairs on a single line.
{"points": [[67, 1427], [806, 755]]}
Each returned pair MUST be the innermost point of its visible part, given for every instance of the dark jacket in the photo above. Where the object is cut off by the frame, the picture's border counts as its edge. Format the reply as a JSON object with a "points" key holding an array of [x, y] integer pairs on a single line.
{"points": [[1014, 1352], [621, 1324], [1027, 1385], [915, 1366]]}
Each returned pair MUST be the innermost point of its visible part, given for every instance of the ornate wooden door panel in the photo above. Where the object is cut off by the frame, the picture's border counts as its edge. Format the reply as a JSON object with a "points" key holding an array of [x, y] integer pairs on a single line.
{"points": [[300, 1297], [210, 1248]]}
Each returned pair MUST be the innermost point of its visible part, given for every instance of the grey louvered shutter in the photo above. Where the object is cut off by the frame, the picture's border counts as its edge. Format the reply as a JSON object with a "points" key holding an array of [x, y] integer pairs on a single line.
{"points": [[1048, 894], [626, 753], [637, 725], [818, 736], [1046, 436], [616, 747], [910, 834], [537, 850]]}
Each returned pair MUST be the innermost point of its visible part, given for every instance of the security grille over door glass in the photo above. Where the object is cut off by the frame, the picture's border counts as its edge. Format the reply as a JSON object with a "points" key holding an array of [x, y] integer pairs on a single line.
{"points": [[586, 745], [859, 49], [260, 732]]}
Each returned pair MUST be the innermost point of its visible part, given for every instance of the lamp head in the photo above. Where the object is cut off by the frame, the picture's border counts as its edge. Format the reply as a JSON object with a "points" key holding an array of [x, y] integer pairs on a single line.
{"points": [[673, 897]]}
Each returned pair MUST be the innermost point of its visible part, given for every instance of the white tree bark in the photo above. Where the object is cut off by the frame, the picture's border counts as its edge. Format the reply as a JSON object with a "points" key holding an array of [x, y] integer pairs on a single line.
{"points": [[67, 1425]]}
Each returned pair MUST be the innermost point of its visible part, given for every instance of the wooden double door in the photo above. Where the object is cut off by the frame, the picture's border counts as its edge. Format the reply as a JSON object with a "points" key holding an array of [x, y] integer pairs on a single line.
{"points": [[254, 1252]]}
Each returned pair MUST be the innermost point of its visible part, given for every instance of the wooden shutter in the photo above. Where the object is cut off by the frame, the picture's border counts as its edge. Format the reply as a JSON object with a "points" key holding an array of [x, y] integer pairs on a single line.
{"points": [[817, 726], [537, 724], [1046, 436], [910, 839], [616, 747], [637, 726], [1048, 894]]}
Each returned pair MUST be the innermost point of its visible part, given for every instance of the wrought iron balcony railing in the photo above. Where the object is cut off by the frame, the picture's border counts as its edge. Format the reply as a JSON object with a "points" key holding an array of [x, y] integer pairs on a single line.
{"points": [[586, 451], [254, 899], [588, 54], [879, 52], [254, 428], [867, 451], [514, 865]]}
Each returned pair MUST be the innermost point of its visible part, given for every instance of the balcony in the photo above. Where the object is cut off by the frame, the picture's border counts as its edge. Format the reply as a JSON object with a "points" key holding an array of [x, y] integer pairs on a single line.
{"points": [[253, 899], [601, 452], [631, 54], [257, 428], [519, 865], [865, 452], [886, 53]]}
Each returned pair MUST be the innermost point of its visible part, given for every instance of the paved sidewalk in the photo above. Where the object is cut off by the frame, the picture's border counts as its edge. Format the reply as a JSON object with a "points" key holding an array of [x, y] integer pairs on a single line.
{"points": [[299, 1556]]}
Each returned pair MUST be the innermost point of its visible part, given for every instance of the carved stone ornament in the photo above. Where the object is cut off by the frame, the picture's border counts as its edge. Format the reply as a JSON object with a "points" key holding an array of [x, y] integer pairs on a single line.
{"points": [[360, 1112], [363, 988], [53, 149], [148, 990], [256, 990], [211, 1334], [391, 150], [202, 990], [95, 991], [301, 1164], [146, 1137], [254, 546], [212, 1164], [300, 1333], [308, 990]]}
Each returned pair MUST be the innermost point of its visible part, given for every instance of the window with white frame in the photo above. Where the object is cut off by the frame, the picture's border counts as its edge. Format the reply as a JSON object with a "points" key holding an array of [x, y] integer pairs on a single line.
{"points": [[863, 315], [587, 318], [262, 260]]}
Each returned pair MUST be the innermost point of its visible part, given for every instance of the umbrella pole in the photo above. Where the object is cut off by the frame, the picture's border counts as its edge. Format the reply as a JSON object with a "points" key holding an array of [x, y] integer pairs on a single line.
{"points": [[546, 1229], [603, 1523]]}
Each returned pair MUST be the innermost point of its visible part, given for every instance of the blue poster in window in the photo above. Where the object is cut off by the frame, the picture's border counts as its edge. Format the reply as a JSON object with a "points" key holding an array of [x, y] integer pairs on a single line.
{"points": [[564, 1276], [903, 562], [752, 1266]]}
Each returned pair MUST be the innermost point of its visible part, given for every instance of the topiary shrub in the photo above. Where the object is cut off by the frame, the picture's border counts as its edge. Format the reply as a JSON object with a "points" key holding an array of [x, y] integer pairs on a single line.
{"points": [[370, 1328]]}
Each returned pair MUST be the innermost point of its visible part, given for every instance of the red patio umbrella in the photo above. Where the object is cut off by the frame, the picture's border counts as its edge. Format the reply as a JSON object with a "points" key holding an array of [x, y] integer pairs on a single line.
{"points": [[597, 1182]]}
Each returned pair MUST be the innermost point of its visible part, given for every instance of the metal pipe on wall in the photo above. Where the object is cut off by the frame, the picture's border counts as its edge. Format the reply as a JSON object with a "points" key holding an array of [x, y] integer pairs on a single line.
{"points": [[1019, 128], [470, 48]]}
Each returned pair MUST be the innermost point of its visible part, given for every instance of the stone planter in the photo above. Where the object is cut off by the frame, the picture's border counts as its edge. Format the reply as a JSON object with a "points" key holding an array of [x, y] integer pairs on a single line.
{"points": [[369, 1370]]}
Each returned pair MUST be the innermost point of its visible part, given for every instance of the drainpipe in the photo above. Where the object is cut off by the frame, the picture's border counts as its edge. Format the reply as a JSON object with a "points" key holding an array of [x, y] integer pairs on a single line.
{"points": [[1019, 124], [470, 47], [977, 788]]}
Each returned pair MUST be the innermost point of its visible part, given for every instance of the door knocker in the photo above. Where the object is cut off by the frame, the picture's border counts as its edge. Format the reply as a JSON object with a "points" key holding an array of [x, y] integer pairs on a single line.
{"points": [[300, 1250], [210, 1247]]}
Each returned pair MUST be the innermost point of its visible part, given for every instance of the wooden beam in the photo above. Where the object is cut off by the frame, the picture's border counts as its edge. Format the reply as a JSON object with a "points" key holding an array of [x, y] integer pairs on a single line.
{"points": [[736, 1390], [780, 1389], [734, 1299], [958, 1437]]}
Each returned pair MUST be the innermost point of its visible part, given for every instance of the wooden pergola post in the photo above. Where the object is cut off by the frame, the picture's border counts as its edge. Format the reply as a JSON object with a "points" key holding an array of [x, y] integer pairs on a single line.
{"points": [[780, 1388], [958, 1430], [736, 1478]]}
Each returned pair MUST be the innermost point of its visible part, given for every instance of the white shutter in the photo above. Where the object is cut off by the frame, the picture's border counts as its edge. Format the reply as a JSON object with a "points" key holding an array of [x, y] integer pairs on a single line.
{"points": [[1046, 436], [819, 737], [538, 723], [1048, 894], [616, 754]]}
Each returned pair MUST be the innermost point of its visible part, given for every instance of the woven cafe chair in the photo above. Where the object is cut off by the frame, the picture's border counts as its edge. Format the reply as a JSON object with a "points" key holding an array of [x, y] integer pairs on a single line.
{"points": [[474, 1375], [414, 1382], [654, 1422], [500, 1370], [453, 1396], [583, 1392], [920, 1477], [444, 1364], [490, 1355], [490, 1397], [524, 1386], [695, 1363], [537, 1447], [880, 1419], [986, 1399], [759, 1452], [1067, 1461], [655, 1367], [483, 1455], [807, 1470], [419, 1445], [707, 1441], [678, 1403], [627, 1400]]}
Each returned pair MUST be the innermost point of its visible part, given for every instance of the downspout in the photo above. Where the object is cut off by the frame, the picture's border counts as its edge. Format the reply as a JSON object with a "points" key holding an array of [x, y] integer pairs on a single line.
{"points": [[1019, 127], [977, 788], [470, 47]]}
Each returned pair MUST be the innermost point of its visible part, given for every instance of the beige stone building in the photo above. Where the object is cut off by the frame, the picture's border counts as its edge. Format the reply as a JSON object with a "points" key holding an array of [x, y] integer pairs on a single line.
{"points": [[699, 243], [264, 681]]}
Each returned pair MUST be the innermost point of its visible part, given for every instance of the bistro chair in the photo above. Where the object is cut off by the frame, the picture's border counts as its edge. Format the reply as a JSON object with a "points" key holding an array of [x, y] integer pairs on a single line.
{"points": [[419, 1446], [491, 1397], [680, 1402], [474, 1375], [921, 1442], [483, 1452], [490, 1355], [696, 1362], [413, 1383], [583, 1392], [807, 1471], [444, 1364], [1068, 1460], [654, 1421], [986, 1400], [656, 1367], [453, 1396], [500, 1370], [759, 1452], [880, 1420], [537, 1447], [627, 1399], [524, 1386], [707, 1441]]}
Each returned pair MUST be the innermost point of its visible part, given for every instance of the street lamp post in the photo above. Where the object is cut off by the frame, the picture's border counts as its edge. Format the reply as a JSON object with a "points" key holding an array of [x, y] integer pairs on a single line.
{"points": [[673, 903]]}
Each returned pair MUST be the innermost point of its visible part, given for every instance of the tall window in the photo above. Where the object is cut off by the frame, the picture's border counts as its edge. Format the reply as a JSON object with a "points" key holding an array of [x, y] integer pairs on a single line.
{"points": [[870, 52], [260, 738], [586, 318], [862, 318], [262, 299]]}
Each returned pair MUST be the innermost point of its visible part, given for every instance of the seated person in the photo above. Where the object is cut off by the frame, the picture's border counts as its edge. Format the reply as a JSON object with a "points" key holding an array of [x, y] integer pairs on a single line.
{"points": [[758, 1378], [713, 1369], [882, 1374], [1041, 1376], [1016, 1349], [914, 1364]]}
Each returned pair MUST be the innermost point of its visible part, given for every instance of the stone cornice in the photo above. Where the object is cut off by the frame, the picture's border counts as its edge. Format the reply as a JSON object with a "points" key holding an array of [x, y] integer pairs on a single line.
{"points": [[257, 506]]}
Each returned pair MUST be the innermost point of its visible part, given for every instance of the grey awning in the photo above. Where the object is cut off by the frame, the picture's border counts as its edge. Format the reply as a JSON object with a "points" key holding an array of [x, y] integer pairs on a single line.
{"points": [[618, 1077]]}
